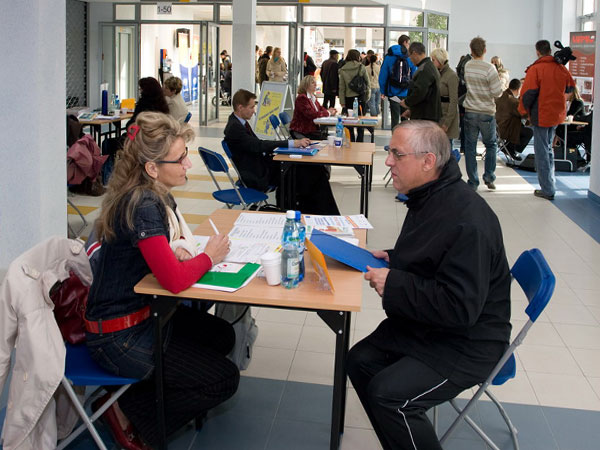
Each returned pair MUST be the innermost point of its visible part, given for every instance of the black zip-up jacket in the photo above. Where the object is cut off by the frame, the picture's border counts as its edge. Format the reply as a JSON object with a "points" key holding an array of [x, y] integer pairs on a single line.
{"points": [[447, 295], [423, 97]]}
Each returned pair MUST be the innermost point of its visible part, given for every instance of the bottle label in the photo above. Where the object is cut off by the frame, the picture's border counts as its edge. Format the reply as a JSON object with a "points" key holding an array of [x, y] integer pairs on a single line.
{"points": [[293, 268]]}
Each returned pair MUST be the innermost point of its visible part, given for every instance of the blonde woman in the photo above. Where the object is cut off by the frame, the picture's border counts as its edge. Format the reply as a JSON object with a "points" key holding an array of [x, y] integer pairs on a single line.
{"points": [[142, 232], [306, 109], [276, 67], [502, 72], [177, 107], [448, 93]]}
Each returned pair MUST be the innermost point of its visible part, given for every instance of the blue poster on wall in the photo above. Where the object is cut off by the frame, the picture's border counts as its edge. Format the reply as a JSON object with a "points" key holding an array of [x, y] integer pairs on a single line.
{"points": [[194, 83], [185, 81]]}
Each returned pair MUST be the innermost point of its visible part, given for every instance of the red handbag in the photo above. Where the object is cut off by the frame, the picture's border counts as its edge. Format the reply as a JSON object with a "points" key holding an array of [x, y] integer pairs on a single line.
{"points": [[70, 298]]}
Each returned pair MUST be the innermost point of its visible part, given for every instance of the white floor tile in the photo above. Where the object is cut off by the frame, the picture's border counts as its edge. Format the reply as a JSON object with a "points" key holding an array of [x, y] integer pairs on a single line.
{"points": [[539, 334], [588, 360], [517, 390], [579, 336], [317, 339], [369, 319], [312, 367], [313, 320], [544, 359], [571, 314], [355, 413], [272, 363], [281, 316], [359, 439], [588, 297], [278, 335], [565, 391]]}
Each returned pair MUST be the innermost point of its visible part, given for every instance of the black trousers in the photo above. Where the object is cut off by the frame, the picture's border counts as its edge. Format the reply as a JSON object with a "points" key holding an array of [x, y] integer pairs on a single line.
{"points": [[360, 132], [396, 391], [197, 375], [329, 101], [525, 136]]}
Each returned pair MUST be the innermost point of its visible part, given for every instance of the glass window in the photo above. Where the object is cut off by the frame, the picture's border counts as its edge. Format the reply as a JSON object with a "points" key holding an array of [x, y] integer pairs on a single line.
{"points": [[589, 25], [415, 36], [588, 7], [125, 12], [225, 13], [341, 14], [437, 21], [437, 40], [275, 13], [407, 17], [179, 12]]}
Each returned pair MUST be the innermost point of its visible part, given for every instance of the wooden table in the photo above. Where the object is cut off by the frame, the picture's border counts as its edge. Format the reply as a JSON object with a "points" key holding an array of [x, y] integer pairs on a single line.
{"points": [[358, 155], [565, 125], [334, 308], [96, 126], [332, 122]]}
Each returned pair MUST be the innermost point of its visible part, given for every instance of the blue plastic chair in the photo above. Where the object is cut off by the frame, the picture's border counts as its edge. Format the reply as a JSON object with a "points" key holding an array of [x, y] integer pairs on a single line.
{"points": [[239, 181], [284, 117], [187, 118], [82, 370], [239, 194], [536, 279], [275, 124]]}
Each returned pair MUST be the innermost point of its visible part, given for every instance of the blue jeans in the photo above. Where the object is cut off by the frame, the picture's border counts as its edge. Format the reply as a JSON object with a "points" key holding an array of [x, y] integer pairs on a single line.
{"points": [[374, 101], [544, 158], [474, 123]]}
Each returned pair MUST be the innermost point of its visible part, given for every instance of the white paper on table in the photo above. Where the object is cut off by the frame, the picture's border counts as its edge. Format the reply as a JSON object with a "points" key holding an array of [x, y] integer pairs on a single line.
{"points": [[242, 251], [322, 222], [261, 220]]}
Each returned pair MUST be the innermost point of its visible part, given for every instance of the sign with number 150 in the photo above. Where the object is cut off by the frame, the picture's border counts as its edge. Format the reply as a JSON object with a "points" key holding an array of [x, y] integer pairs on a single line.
{"points": [[164, 8]]}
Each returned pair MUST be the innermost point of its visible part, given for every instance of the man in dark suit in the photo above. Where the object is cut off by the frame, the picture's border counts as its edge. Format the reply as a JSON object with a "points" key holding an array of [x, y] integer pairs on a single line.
{"points": [[253, 158], [251, 155]]}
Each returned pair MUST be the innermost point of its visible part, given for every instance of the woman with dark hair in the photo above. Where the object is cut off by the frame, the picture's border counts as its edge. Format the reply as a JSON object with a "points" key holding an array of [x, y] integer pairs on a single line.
{"points": [[152, 98], [142, 231], [373, 71], [351, 69]]}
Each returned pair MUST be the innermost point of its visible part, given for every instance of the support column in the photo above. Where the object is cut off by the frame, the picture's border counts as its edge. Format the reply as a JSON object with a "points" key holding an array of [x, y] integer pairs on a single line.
{"points": [[33, 185], [349, 32], [369, 39], [244, 39]]}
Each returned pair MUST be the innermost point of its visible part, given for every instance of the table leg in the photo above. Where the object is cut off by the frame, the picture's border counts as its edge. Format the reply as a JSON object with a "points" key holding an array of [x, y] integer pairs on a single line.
{"points": [[367, 188], [97, 129], [339, 322]]}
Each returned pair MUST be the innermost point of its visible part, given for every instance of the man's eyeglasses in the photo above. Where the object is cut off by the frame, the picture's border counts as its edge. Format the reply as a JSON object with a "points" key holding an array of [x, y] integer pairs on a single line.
{"points": [[176, 161], [398, 156]]}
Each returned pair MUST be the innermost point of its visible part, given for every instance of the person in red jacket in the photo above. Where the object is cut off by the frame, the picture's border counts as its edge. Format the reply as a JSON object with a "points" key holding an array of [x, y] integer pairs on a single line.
{"points": [[543, 100], [306, 109]]}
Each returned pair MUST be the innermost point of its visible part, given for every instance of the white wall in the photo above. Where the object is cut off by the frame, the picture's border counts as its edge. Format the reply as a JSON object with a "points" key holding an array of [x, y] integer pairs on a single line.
{"points": [[33, 185]]}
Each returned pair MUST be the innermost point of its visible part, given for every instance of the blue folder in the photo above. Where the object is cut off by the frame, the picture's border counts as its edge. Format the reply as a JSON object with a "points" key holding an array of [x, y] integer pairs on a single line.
{"points": [[309, 151], [344, 252]]}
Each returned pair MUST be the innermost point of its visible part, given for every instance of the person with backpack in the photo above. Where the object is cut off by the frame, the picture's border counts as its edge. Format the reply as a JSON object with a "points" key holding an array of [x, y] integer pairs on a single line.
{"points": [[395, 74], [354, 83]]}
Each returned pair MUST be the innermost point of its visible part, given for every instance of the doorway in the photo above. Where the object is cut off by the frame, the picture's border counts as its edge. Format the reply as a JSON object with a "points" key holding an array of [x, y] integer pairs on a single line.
{"points": [[119, 59]]}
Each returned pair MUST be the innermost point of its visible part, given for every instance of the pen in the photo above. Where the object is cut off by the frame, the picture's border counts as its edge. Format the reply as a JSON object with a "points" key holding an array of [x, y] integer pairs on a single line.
{"points": [[213, 225]]}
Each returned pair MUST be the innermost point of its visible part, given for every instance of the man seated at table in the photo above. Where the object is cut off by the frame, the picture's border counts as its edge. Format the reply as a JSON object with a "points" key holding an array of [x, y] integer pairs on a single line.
{"points": [[509, 122], [253, 158], [446, 295]]}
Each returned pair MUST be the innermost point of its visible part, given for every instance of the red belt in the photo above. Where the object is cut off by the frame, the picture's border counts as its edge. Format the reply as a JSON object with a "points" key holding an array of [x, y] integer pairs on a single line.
{"points": [[119, 323]]}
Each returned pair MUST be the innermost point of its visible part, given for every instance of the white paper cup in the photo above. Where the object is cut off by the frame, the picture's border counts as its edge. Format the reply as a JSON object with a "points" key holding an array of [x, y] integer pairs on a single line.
{"points": [[338, 142], [569, 118], [331, 140], [271, 263], [350, 113]]}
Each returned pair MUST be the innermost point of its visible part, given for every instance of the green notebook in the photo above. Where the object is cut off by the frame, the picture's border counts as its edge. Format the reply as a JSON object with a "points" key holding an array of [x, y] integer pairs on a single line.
{"points": [[228, 277]]}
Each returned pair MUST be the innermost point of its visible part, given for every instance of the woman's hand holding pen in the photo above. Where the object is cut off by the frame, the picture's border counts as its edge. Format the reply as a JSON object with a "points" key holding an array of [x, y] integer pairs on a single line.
{"points": [[217, 247]]}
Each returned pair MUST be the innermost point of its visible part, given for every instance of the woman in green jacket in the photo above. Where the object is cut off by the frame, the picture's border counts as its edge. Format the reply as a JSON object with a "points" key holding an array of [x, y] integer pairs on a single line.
{"points": [[347, 72]]}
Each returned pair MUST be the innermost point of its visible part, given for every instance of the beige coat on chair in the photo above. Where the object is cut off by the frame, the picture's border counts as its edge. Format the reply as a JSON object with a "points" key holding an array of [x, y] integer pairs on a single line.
{"points": [[27, 324]]}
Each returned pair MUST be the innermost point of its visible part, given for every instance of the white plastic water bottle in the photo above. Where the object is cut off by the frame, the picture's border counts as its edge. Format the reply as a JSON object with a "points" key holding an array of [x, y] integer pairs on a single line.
{"points": [[290, 257], [339, 128], [355, 107], [301, 238]]}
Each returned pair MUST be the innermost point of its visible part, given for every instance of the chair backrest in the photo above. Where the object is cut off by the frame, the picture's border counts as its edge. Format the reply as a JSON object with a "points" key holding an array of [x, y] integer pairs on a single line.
{"points": [[227, 151], [284, 117], [187, 118], [275, 124], [536, 279]]}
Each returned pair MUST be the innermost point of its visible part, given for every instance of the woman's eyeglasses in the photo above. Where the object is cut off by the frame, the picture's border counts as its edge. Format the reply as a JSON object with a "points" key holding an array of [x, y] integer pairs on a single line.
{"points": [[176, 161]]}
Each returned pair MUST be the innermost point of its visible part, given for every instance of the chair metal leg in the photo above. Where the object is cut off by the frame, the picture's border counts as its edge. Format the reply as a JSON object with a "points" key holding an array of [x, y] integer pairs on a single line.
{"points": [[513, 430], [473, 425], [436, 414], [388, 174], [85, 223]]}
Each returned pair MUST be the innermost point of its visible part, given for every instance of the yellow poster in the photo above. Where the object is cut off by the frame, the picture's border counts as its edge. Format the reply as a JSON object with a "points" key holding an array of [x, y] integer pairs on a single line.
{"points": [[270, 103]]}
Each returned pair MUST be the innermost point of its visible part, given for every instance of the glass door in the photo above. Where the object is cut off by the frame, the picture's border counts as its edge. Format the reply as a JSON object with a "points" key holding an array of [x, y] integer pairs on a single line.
{"points": [[210, 73], [119, 59]]}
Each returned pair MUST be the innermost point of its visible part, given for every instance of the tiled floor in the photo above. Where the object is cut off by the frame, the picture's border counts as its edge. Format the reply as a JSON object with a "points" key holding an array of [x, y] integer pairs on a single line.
{"points": [[284, 397]]}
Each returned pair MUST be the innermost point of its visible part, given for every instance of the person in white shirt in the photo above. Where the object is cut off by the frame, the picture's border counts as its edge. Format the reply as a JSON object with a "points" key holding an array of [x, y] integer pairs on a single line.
{"points": [[177, 107], [483, 86]]}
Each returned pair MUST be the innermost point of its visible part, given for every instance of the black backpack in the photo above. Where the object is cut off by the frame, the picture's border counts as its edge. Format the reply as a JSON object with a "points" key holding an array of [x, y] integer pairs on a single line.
{"points": [[400, 75], [460, 71], [358, 84]]}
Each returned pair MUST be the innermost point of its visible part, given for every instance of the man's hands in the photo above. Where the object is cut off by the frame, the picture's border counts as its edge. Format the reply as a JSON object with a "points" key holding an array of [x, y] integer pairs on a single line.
{"points": [[403, 104], [376, 278], [217, 247], [304, 142], [406, 114], [332, 111], [380, 254]]}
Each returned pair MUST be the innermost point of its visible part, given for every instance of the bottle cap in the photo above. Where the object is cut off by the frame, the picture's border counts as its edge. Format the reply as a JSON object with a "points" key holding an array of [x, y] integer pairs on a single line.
{"points": [[290, 214], [298, 215]]}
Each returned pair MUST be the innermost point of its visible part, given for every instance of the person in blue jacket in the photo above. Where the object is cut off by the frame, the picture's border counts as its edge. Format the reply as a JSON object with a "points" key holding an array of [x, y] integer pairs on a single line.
{"points": [[388, 89]]}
